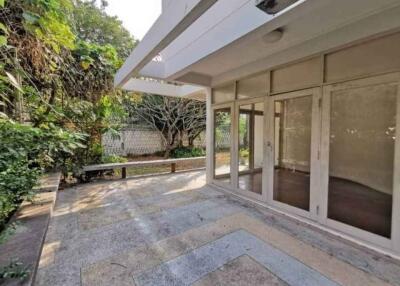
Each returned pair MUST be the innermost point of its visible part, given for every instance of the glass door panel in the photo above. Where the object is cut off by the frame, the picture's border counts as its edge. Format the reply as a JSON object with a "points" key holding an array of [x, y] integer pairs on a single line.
{"points": [[222, 144], [244, 137], [250, 147], [293, 125], [361, 157]]}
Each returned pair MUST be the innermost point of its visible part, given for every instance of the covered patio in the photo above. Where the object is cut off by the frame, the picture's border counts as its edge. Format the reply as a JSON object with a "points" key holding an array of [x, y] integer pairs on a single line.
{"points": [[175, 230]]}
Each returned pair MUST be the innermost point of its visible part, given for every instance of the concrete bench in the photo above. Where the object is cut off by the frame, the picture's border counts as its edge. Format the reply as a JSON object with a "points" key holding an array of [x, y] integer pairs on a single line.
{"points": [[123, 166]]}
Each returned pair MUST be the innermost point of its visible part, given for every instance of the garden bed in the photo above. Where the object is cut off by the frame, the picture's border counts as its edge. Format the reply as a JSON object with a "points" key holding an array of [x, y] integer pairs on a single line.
{"points": [[31, 221]]}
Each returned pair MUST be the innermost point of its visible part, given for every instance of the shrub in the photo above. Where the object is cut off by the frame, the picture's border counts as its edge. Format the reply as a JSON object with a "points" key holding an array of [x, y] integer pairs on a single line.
{"points": [[244, 152], [187, 152], [16, 183], [26, 151], [113, 159]]}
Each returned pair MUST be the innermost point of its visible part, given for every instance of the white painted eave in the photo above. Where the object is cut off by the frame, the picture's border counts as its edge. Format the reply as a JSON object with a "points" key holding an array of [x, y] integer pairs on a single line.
{"points": [[165, 89], [226, 22], [171, 23], [225, 42]]}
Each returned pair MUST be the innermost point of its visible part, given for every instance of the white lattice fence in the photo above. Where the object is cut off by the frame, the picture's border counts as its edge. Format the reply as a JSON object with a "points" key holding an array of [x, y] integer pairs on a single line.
{"points": [[138, 141]]}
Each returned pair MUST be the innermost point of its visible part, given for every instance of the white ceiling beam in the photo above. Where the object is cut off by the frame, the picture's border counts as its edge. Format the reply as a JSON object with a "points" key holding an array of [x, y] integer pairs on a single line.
{"points": [[171, 23], [164, 89]]}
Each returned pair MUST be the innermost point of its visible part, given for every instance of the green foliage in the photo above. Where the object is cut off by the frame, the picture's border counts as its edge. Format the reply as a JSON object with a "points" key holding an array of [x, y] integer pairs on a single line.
{"points": [[68, 52], [57, 63], [24, 152], [14, 270], [113, 159], [244, 152], [93, 25], [8, 232], [187, 152], [48, 21]]}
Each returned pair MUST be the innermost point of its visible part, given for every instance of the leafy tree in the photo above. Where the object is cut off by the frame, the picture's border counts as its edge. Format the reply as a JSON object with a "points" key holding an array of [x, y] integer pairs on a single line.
{"points": [[93, 25], [173, 118], [56, 92]]}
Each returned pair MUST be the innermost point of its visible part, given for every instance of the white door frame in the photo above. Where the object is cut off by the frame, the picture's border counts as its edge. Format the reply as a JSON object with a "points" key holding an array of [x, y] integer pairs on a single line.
{"points": [[215, 107], [238, 103], [315, 196], [319, 157], [394, 242]]}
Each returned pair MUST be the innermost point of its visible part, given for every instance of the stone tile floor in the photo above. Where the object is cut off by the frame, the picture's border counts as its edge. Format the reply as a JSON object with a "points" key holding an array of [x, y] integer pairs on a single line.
{"points": [[174, 230]]}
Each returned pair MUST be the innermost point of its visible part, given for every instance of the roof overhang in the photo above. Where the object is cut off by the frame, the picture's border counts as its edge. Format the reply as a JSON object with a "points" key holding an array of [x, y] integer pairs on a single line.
{"points": [[171, 23], [224, 39], [165, 89]]}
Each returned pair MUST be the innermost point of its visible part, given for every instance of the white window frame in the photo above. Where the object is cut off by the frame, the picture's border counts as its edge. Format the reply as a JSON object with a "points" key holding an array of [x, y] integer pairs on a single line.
{"points": [[315, 198], [319, 157], [394, 242], [252, 195], [212, 163]]}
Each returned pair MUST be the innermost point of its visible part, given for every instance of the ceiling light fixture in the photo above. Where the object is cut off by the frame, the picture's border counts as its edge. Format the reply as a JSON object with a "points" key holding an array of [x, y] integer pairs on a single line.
{"points": [[273, 36], [274, 6]]}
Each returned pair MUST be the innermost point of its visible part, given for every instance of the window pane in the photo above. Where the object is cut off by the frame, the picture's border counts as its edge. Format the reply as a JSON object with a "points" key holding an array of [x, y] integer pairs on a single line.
{"points": [[258, 135], [293, 151], [222, 144], [251, 130], [362, 139], [253, 87], [224, 93], [244, 137]]}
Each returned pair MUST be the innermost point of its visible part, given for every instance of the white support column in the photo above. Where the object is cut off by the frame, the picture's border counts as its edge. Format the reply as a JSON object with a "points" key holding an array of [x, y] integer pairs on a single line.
{"points": [[209, 138]]}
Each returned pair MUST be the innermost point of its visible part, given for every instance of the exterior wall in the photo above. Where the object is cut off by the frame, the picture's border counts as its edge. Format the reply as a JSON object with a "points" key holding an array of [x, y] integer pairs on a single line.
{"points": [[360, 73], [372, 57]]}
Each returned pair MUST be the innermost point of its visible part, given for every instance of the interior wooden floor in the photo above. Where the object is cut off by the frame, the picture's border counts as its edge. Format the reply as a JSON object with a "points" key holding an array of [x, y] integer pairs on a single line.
{"points": [[348, 202]]}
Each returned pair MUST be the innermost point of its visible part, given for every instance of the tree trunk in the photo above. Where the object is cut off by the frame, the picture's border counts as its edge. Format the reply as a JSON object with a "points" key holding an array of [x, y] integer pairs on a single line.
{"points": [[191, 142]]}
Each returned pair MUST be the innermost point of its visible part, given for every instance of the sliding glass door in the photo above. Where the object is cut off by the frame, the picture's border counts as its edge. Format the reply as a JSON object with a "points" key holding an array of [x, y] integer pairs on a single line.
{"points": [[222, 138], [293, 135], [250, 142], [329, 154], [360, 126]]}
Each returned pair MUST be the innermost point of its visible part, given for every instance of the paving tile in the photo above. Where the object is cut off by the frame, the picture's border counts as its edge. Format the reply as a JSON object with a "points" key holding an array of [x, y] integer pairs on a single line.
{"points": [[119, 269], [190, 267], [329, 265], [133, 228], [62, 227], [145, 257], [89, 219], [59, 275], [100, 243], [243, 271]]}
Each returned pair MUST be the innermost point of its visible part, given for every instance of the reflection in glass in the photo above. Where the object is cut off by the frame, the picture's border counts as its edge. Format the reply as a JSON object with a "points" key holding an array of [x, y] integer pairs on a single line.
{"points": [[362, 139], [293, 151], [222, 144], [251, 130]]}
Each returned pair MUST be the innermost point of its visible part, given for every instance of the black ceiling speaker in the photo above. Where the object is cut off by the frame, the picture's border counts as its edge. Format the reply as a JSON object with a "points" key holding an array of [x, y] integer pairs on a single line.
{"points": [[274, 6]]}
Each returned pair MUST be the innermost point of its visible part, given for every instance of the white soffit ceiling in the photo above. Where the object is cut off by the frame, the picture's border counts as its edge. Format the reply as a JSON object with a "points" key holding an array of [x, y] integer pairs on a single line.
{"points": [[215, 47]]}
